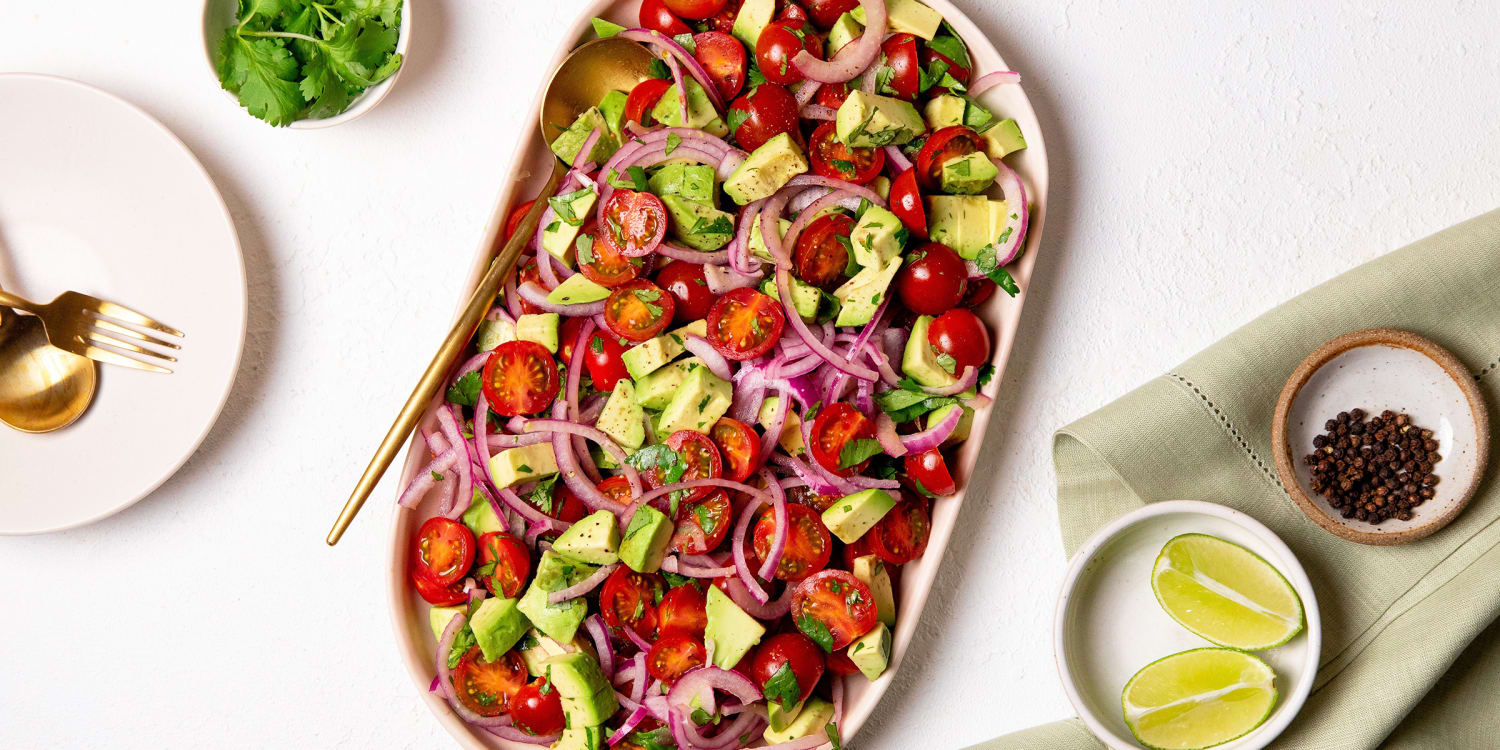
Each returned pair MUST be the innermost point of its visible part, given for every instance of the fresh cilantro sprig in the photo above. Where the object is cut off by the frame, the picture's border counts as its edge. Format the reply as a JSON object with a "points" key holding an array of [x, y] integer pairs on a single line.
{"points": [[783, 687]]}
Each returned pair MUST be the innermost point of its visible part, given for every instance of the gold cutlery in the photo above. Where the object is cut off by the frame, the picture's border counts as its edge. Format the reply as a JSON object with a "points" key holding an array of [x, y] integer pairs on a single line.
{"points": [[42, 388], [85, 325]]}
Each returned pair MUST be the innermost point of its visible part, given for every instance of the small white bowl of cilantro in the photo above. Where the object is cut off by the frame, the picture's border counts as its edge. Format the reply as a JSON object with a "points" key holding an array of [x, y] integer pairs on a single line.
{"points": [[306, 64]]}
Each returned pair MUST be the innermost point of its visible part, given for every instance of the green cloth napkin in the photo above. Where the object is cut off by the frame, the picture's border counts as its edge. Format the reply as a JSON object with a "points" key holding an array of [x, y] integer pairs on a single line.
{"points": [[1411, 656]]}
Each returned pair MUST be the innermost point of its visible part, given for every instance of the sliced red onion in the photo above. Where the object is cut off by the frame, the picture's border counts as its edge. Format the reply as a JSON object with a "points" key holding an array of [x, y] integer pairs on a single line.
{"points": [[844, 486], [711, 357], [589, 410], [582, 587], [990, 80], [802, 366], [965, 381], [819, 112], [600, 636], [770, 611], [885, 432], [721, 279], [1016, 222], [587, 148], [806, 91], [783, 289], [538, 297], [634, 637], [851, 58], [778, 542], [448, 422], [871, 483], [769, 440], [688, 61], [631, 722], [933, 436], [816, 180], [816, 481], [678, 252], [674, 565], [425, 479], [897, 159], [575, 373], [529, 512], [682, 92], [445, 676], [472, 364], [574, 179], [567, 461], [801, 388], [739, 256], [732, 161], [701, 681], [737, 544], [511, 734], [691, 484]]}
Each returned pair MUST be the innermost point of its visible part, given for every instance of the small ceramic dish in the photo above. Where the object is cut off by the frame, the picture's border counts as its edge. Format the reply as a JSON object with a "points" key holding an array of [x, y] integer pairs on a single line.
{"points": [[1375, 370], [1109, 625], [219, 15]]}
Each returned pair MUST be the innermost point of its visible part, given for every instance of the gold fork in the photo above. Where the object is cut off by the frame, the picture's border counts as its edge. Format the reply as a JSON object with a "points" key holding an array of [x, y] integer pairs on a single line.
{"points": [[85, 325]]}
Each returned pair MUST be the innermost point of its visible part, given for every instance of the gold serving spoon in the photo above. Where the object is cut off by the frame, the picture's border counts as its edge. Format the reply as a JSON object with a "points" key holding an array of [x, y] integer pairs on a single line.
{"points": [[590, 72], [42, 388]]}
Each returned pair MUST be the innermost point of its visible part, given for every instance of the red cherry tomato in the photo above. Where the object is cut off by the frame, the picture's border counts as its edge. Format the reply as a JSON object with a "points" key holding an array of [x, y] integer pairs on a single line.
{"points": [[604, 359], [791, 11], [516, 215], [537, 709], [638, 311], [808, 544], [825, 13], [683, 611], [833, 428], [634, 222], [900, 52], [701, 457], [979, 290], [738, 445], [617, 490], [723, 21], [520, 377], [504, 563], [674, 655], [723, 58], [860, 548], [745, 324], [822, 251], [779, 42], [839, 663], [488, 687], [961, 335], [530, 273], [805, 496], [793, 651], [444, 550], [901, 535], [766, 111], [655, 15], [628, 600], [831, 95], [566, 506], [929, 468], [567, 337], [933, 279], [643, 98], [958, 70], [437, 594], [685, 282], [906, 203], [944, 144], [702, 523], [602, 263], [695, 10], [833, 159], [839, 602]]}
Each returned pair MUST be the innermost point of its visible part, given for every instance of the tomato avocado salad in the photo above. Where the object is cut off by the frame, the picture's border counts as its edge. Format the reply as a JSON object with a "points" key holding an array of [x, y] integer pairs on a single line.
{"points": [[704, 427]]}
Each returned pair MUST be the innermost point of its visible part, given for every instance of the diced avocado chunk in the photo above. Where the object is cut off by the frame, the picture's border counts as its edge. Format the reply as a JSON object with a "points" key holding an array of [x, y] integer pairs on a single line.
{"points": [[588, 698], [580, 738], [646, 540], [758, 241], [497, 626], [766, 170], [570, 141], [850, 517], [944, 110], [537, 648], [699, 225], [753, 17], [555, 573], [961, 222], [791, 430], [870, 120], [732, 632], [480, 516], [439, 617], [560, 235], [493, 333], [882, 187], [695, 182], [654, 389], [813, 719], [965, 422], [871, 571], [606, 29], [876, 238], [701, 112], [919, 361], [778, 718], [576, 290], [594, 539], [612, 106], [909, 16], [652, 353], [844, 31], [623, 418], [1003, 139], [539, 327], [805, 297], [697, 405], [871, 652], [513, 466], [861, 296], [969, 174]]}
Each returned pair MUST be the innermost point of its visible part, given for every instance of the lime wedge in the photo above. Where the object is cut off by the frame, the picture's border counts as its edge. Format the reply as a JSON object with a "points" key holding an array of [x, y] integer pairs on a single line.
{"points": [[1225, 593], [1198, 698]]}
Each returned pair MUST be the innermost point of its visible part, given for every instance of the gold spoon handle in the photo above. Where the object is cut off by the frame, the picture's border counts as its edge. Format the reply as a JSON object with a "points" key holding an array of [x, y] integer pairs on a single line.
{"points": [[11, 300], [437, 371]]}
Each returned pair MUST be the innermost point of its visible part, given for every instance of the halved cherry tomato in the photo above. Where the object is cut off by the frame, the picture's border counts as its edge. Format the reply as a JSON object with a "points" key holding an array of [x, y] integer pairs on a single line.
{"points": [[566, 506], [536, 709], [655, 15], [860, 548], [806, 496], [901, 535], [826, 13], [638, 311], [788, 650], [779, 42], [504, 563], [685, 282], [616, 489], [516, 215], [839, 663], [628, 600], [822, 251], [766, 111], [437, 594], [488, 687], [520, 377], [834, 428], [745, 323], [529, 272], [702, 523], [832, 95], [724, 19], [979, 290], [808, 544], [444, 550], [604, 359], [602, 264], [906, 203], [634, 222], [839, 602], [683, 611], [723, 58], [674, 655], [643, 98], [929, 468], [900, 57], [833, 159], [933, 279], [701, 458], [944, 144], [961, 335], [738, 445]]}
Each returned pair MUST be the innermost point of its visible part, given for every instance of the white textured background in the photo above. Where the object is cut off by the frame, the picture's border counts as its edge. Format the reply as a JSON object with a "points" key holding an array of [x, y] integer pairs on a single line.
{"points": [[1209, 161]]}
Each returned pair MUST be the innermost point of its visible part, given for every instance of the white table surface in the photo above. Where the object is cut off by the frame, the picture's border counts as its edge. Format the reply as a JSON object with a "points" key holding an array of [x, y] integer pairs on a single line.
{"points": [[1206, 165]]}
